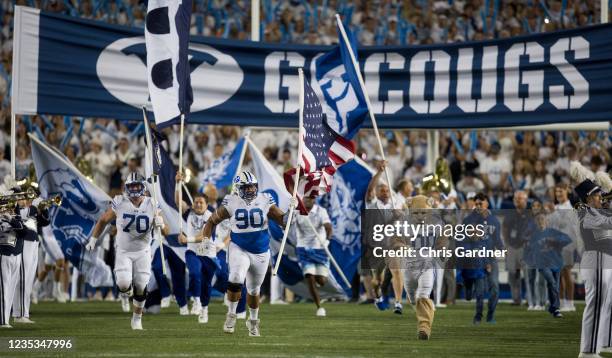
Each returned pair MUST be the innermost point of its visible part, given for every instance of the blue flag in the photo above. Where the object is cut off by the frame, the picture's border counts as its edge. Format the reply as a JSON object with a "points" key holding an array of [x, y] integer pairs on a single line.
{"points": [[222, 170], [346, 107], [345, 204], [161, 165], [83, 203], [167, 41]]}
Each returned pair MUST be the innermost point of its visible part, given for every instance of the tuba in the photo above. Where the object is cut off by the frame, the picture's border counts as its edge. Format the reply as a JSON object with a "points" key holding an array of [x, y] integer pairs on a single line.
{"points": [[440, 180]]}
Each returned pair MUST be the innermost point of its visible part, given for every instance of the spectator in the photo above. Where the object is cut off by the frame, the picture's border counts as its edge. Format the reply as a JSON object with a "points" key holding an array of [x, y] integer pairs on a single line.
{"points": [[101, 164]]}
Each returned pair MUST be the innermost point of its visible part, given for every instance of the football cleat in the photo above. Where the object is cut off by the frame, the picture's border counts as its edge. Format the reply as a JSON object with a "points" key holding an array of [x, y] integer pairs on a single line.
{"points": [[589, 355], [203, 316], [230, 323], [557, 314], [6, 326], [58, 294], [125, 302], [253, 327], [137, 323], [381, 303], [423, 336], [398, 308], [321, 312]]}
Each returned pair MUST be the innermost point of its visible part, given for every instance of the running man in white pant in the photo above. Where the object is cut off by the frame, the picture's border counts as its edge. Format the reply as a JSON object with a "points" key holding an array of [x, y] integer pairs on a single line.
{"points": [[32, 217], [11, 246], [312, 257], [136, 217], [249, 249], [54, 260]]}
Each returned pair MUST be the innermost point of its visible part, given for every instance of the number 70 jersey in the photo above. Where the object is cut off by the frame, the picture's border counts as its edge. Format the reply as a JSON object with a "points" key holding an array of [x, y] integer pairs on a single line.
{"points": [[249, 221], [134, 224]]}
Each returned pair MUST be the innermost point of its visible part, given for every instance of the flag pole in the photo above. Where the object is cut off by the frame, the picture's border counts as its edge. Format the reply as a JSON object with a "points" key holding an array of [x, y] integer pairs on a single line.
{"points": [[149, 144], [13, 144], [297, 172], [179, 187], [242, 154], [331, 258], [367, 99]]}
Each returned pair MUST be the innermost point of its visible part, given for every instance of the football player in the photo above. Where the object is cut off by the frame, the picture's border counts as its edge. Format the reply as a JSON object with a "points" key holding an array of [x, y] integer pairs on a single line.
{"points": [[311, 255], [54, 260], [249, 249], [136, 217]]}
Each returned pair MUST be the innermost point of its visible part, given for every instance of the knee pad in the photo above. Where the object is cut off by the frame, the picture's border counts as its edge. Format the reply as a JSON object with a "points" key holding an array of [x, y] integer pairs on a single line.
{"points": [[139, 298], [124, 287], [252, 290], [234, 287]]}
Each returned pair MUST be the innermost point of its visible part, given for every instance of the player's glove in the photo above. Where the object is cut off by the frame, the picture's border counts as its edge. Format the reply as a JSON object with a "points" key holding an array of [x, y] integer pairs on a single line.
{"points": [[91, 244], [158, 222]]}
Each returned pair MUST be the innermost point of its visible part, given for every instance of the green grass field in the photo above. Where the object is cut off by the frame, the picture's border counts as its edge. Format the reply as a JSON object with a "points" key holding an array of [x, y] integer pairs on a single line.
{"points": [[350, 330]]}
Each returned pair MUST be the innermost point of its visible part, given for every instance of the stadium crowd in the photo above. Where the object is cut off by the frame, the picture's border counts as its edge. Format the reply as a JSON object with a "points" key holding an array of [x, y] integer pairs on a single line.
{"points": [[498, 163]]}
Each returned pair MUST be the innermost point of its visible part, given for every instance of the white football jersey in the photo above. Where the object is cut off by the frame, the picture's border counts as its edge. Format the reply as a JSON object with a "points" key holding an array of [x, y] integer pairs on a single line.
{"points": [[249, 221], [134, 224], [305, 235], [195, 224]]}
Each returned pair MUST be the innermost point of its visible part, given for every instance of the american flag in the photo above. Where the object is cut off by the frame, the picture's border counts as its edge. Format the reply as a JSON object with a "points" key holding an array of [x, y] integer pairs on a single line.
{"points": [[323, 151]]}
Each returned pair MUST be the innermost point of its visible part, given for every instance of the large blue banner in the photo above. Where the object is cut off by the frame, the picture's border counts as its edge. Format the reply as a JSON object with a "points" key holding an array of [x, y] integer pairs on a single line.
{"points": [[70, 66]]}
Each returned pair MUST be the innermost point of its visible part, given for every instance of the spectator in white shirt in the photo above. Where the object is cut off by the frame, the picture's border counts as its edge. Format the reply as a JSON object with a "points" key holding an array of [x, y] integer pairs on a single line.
{"points": [[101, 164], [494, 169], [470, 183]]}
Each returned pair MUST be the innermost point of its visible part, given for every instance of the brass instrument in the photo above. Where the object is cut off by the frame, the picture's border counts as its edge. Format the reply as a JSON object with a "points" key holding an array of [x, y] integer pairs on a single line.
{"points": [[440, 180], [28, 194], [85, 168], [47, 203]]}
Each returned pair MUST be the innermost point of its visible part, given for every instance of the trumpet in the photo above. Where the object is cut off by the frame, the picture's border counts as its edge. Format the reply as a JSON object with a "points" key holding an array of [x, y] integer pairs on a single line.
{"points": [[11, 199], [47, 203]]}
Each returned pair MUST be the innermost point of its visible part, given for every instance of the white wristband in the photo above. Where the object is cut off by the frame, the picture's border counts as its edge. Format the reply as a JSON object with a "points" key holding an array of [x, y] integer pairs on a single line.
{"points": [[190, 239]]}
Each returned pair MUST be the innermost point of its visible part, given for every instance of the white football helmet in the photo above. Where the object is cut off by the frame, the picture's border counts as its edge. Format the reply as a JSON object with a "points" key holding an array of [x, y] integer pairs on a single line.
{"points": [[246, 186], [134, 185]]}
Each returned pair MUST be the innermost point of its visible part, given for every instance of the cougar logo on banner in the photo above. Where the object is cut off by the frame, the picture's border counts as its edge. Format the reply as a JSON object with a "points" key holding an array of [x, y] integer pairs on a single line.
{"points": [[122, 70], [340, 97]]}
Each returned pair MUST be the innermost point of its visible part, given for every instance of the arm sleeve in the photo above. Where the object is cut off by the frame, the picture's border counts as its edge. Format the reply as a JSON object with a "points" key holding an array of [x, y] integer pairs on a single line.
{"points": [[324, 216], [227, 203], [593, 220], [116, 202], [42, 217]]}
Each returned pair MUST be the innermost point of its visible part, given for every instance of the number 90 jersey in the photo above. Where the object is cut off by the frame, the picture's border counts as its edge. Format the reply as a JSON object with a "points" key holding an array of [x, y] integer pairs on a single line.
{"points": [[249, 222], [134, 224]]}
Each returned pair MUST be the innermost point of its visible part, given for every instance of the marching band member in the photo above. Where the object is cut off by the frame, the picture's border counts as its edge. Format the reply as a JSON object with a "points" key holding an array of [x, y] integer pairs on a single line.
{"points": [[34, 216]]}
